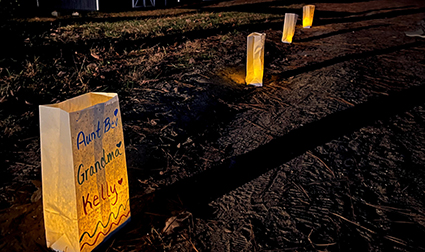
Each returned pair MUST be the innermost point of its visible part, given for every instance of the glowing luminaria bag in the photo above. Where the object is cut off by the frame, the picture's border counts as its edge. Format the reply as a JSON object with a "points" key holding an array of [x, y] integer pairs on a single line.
{"points": [[255, 59], [289, 27], [84, 171], [308, 15]]}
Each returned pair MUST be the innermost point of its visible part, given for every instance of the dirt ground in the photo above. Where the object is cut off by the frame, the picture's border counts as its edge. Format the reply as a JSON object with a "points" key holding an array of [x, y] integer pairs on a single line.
{"points": [[329, 155]]}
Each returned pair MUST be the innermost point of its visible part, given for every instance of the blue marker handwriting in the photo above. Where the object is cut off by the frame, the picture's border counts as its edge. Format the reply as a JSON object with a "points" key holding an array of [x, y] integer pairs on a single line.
{"points": [[84, 173], [102, 127]]}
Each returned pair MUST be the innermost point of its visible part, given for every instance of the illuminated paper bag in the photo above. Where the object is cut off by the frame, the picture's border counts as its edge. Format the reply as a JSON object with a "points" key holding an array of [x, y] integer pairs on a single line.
{"points": [[255, 59], [308, 14], [289, 27], [84, 171]]}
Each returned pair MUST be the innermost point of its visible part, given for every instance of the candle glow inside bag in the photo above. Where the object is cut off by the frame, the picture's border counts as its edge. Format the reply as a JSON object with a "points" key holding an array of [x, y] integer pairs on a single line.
{"points": [[255, 59], [308, 14], [289, 27]]}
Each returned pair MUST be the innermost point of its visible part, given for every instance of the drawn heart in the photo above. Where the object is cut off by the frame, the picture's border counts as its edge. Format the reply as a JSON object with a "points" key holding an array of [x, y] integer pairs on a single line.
{"points": [[120, 181], [116, 112], [119, 144]]}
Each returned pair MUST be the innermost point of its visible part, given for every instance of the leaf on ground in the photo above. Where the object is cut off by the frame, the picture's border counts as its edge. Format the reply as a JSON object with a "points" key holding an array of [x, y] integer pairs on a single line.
{"points": [[36, 196], [95, 55], [175, 222]]}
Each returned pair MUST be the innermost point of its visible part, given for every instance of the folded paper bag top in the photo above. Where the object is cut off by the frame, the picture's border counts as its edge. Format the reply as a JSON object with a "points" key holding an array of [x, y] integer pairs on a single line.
{"points": [[255, 59], [308, 14], [84, 171], [289, 27], [83, 101]]}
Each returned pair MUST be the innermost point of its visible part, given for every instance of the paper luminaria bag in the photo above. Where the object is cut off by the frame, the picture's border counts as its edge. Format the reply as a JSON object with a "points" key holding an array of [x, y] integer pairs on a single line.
{"points": [[308, 14], [289, 27], [84, 171], [255, 59]]}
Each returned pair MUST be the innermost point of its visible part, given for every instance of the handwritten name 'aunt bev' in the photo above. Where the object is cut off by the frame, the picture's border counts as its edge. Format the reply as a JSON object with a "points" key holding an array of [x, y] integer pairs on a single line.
{"points": [[85, 138]]}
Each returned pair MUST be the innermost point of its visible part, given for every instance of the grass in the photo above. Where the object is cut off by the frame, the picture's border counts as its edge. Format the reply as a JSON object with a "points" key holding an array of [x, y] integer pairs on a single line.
{"points": [[156, 27]]}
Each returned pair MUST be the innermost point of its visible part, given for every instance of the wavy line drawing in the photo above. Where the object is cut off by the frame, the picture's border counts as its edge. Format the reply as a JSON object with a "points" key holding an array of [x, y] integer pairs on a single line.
{"points": [[112, 224], [109, 219]]}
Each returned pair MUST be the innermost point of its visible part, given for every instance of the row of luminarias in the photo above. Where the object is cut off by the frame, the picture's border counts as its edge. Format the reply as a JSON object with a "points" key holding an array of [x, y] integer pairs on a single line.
{"points": [[256, 41]]}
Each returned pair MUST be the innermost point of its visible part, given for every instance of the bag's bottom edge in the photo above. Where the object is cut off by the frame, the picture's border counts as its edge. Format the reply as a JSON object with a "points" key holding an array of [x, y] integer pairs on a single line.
{"points": [[101, 246]]}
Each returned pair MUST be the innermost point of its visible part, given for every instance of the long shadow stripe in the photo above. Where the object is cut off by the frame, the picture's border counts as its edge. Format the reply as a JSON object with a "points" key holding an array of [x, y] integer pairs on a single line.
{"points": [[196, 192], [330, 34], [365, 18], [347, 57]]}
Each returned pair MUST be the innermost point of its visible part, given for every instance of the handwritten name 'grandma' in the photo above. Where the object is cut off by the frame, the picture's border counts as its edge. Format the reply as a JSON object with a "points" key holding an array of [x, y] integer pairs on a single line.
{"points": [[85, 138], [83, 174]]}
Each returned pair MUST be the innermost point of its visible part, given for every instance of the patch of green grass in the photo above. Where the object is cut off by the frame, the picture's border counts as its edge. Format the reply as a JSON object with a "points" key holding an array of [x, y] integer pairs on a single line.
{"points": [[155, 27]]}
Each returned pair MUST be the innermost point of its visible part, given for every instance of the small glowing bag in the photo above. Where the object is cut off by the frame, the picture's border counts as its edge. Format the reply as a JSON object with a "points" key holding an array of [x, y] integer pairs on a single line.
{"points": [[289, 27], [84, 171], [308, 14], [255, 59]]}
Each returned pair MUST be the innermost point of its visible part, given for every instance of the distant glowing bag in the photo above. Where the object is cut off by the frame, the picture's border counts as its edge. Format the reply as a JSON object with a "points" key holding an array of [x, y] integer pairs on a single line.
{"points": [[308, 14], [289, 27], [255, 59], [84, 171]]}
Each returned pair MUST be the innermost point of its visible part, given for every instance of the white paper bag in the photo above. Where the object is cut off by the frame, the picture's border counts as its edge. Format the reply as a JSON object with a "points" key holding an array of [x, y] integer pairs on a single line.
{"points": [[289, 27], [255, 59], [84, 171], [308, 14]]}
